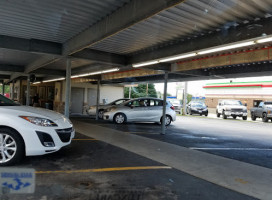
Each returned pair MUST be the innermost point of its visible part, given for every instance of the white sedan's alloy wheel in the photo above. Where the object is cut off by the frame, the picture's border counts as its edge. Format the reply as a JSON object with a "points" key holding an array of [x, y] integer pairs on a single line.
{"points": [[119, 118], [8, 148], [167, 120]]}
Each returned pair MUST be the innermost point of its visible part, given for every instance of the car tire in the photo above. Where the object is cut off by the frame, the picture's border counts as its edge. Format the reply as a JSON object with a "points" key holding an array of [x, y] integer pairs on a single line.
{"points": [[223, 114], [245, 118], [11, 144], [168, 120], [100, 114], [206, 115], [217, 114], [119, 118], [253, 117], [234, 117], [264, 118], [190, 112]]}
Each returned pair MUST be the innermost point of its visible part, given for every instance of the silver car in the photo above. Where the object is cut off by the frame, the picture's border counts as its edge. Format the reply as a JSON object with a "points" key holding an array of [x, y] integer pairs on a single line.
{"points": [[102, 108], [140, 110]]}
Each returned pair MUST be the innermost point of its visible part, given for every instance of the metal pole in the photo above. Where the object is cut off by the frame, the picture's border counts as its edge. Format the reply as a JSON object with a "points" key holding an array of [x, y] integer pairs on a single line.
{"points": [[12, 92], [3, 89], [129, 93], [185, 98], [97, 99], [28, 90], [68, 88], [164, 103]]}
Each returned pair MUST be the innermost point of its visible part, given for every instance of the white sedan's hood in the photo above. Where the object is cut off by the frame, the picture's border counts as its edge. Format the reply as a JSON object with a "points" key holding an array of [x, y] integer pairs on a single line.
{"points": [[31, 111]]}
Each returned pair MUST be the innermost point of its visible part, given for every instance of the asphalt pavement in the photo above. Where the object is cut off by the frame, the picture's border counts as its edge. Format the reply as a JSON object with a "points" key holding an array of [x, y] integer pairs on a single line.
{"points": [[93, 170], [246, 141]]}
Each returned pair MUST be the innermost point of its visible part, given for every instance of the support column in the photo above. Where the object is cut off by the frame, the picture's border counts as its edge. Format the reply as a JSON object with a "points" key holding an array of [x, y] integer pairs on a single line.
{"points": [[184, 98], [12, 92], [129, 94], [3, 89], [28, 90], [164, 103], [97, 99], [2, 84], [68, 88]]}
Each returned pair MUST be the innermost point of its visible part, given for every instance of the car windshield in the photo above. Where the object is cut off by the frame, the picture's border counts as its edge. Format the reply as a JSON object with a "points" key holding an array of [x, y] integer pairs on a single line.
{"points": [[238, 103], [198, 105], [117, 102], [7, 102]]}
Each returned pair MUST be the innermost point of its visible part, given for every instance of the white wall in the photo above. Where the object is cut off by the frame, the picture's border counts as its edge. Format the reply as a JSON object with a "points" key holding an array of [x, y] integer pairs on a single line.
{"points": [[106, 92]]}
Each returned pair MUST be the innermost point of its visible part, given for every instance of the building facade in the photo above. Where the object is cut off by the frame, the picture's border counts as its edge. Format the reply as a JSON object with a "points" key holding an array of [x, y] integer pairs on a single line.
{"points": [[52, 94], [250, 93]]}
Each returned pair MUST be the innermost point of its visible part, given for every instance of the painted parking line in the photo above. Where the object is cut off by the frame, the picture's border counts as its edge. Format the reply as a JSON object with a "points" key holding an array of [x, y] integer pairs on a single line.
{"points": [[104, 169], [239, 149], [84, 139]]}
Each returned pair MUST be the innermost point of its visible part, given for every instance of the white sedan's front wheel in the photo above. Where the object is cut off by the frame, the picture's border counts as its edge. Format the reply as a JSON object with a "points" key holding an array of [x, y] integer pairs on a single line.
{"points": [[11, 147], [168, 120], [119, 118]]}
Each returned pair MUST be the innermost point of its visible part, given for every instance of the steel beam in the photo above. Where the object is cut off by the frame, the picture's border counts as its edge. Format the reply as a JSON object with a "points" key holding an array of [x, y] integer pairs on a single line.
{"points": [[30, 45], [4, 76], [54, 72], [234, 34], [43, 61], [11, 68], [131, 13], [101, 57]]}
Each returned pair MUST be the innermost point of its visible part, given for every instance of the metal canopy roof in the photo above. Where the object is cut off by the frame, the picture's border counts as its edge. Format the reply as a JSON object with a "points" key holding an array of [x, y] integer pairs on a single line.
{"points": [[186, 20], [52, 20], [39, 35]]}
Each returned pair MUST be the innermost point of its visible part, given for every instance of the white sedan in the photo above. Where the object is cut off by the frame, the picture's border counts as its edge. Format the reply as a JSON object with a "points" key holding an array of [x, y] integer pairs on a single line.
{"points": [[141, 110], [28, 131]]}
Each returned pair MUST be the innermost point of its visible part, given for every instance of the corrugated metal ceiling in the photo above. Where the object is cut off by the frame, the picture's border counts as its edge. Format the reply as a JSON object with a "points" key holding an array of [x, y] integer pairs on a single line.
{"points": [[52, 20], [188, 19]]}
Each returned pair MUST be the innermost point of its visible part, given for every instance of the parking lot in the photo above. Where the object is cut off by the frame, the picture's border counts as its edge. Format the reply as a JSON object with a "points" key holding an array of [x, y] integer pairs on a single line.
{"points": [[92, 169]]}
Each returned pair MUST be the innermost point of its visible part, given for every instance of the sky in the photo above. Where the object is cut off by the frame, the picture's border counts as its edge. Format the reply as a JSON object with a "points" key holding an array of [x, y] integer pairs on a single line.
{"points": [[196, 87]]}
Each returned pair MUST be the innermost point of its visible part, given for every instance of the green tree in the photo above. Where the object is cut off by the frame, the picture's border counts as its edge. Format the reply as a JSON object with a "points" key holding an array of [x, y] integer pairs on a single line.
{"points": [[141, 90], [189, 97], [6, 89]]}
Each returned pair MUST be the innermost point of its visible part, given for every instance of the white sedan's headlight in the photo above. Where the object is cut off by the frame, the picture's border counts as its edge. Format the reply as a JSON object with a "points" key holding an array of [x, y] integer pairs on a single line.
{"points": [[39, 121]]}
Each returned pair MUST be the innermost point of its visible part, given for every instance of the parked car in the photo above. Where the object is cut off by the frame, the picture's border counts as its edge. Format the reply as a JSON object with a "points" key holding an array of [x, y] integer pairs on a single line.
{"points": [[264, 111], [102, 108], [28, 131], [141, 110], [177, 105], [197, 108], [233, 108]]}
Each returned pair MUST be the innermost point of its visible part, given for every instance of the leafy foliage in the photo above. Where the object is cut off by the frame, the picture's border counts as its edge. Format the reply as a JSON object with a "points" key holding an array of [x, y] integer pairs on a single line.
{"points": [[140, 91]]}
